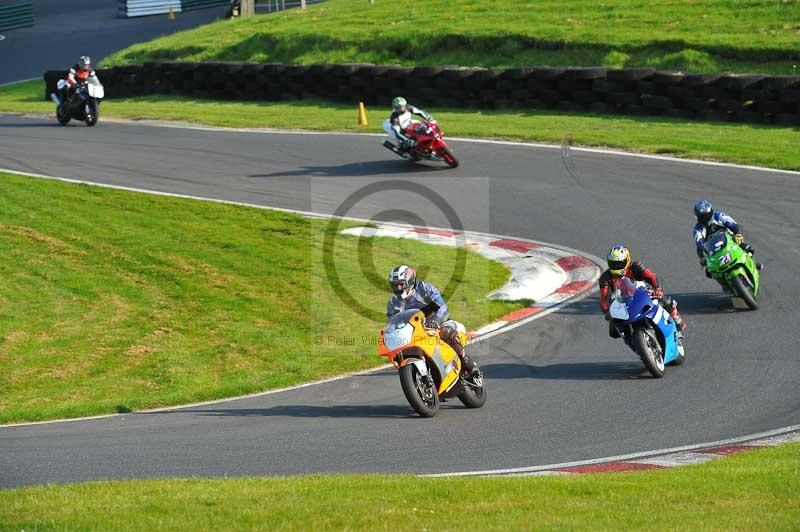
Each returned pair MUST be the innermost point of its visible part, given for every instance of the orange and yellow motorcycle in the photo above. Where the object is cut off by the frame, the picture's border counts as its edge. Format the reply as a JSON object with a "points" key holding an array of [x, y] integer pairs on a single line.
{"points": [[430, 370]]}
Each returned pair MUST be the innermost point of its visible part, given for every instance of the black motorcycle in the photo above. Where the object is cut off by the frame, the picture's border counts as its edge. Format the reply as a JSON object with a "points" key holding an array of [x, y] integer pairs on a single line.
{"points": [[83, 104]]}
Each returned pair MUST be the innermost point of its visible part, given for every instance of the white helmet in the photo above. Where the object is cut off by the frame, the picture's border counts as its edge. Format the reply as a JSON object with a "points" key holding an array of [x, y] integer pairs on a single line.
{"points": [[403, 281], [85, 62]]}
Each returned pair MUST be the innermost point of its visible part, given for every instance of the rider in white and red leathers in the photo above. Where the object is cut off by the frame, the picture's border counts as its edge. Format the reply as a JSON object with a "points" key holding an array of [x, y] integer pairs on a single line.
{"points": [[79, 73], [402, 116]]}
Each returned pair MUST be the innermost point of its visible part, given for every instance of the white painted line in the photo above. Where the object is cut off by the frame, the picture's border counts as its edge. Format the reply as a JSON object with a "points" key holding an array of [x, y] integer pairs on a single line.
{"points": [[677, 459], [620, 458], [501, 330], [776, 440], [14, 83]]}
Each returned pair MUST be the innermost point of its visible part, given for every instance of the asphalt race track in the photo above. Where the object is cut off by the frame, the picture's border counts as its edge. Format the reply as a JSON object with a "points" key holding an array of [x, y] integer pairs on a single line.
{"points": [[64, 31], [559, 388]]}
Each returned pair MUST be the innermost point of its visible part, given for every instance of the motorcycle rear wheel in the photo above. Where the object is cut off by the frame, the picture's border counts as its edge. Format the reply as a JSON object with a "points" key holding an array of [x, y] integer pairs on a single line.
{"points": [[423, 399], [744, 291], [62, 116], [649, 351], [473, 397]]}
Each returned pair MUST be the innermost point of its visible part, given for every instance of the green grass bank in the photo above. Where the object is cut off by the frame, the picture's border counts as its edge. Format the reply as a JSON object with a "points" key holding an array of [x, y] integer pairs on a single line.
{"points": [[691, 35], [113, 301], [757, 490]]}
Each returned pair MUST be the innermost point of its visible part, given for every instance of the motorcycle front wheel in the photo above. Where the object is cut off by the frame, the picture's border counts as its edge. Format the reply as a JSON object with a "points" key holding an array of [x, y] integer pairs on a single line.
{"points": [[743, 290], [92, 114], [649, 351], [420, 391], [448, 157]]}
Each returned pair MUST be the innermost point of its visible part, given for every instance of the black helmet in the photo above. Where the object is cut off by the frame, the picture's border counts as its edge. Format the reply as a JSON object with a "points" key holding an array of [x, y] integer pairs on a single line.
{"points": [[403, 281]]}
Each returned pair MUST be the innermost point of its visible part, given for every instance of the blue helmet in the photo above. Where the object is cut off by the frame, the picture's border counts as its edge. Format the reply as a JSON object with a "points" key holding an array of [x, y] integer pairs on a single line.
{"points": [[704, 211]]}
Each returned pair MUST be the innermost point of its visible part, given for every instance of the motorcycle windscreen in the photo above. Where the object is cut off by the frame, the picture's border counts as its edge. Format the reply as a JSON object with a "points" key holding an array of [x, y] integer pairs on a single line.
{"points": [[622, 295], [94, 88], [399, 331], [716, 243], [398, 337], [618, 309], [637, 300]]}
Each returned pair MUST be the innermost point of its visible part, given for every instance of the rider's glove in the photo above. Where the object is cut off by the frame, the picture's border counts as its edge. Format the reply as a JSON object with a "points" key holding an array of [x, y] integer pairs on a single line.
{"points": [[658, 293], [608, 317], [738, 238]]}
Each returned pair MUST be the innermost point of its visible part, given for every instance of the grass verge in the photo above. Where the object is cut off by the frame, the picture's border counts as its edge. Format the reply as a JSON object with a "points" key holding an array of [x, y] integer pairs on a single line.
{"points": [[699, 35], [116, 301], [776, 146], [757, 490]]}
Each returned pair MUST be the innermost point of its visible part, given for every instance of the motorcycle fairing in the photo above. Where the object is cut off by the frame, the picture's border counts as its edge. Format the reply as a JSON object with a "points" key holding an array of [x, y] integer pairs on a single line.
{"points": [[447, 365], [640, 306], [725, 259], [665, 325]]}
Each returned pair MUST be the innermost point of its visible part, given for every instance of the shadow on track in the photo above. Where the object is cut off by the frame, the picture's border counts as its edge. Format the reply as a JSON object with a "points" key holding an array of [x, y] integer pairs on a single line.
{"points": [[310, 411], [699, 303], [43, 123], [575, 371], [362, 169], [584, 307], [689, 303]]}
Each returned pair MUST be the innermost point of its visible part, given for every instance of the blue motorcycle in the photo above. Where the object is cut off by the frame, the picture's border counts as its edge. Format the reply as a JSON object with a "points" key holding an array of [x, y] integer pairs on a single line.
{"points": [[646, 327]]}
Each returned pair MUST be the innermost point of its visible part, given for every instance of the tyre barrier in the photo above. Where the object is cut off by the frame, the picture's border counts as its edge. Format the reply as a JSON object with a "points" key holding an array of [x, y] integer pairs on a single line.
{"points": [[143, 8], [639, 91], [16, 15]]}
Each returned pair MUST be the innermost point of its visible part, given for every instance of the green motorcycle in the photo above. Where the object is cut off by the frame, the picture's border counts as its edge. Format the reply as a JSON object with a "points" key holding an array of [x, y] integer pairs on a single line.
{"points": [[732, 267]]}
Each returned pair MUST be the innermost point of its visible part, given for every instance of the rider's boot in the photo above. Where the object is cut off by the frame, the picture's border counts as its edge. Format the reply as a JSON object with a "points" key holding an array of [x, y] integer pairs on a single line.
{"points": [[678, 319], [671, 305], [468, 366]]}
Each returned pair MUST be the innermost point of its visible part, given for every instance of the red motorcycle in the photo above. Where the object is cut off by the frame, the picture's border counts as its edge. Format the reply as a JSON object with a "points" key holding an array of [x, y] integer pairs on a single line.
{"points": [[430, 144]]}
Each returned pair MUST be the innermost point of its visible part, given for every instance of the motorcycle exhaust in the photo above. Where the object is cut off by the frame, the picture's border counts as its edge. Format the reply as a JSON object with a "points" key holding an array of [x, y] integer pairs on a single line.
{"points": [[391, 146], [55, 98]]}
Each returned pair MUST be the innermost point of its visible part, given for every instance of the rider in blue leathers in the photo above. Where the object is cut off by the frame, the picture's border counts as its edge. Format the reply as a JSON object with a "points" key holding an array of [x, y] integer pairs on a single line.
{"points": [[709, 222], [410, 293]]}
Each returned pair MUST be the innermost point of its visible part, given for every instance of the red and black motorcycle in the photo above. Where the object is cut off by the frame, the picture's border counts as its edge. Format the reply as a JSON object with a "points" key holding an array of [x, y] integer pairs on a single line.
{"points": [[430, 144]]}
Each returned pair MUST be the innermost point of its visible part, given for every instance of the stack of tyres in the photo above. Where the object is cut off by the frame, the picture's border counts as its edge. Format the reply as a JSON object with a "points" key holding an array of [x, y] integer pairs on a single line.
{"points": [[51, 78], [641, 91]]}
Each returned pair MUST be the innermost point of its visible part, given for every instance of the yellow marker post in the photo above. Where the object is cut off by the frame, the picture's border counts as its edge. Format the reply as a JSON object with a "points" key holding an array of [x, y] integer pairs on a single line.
{"points": [[362, 115], [171, 14]]}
